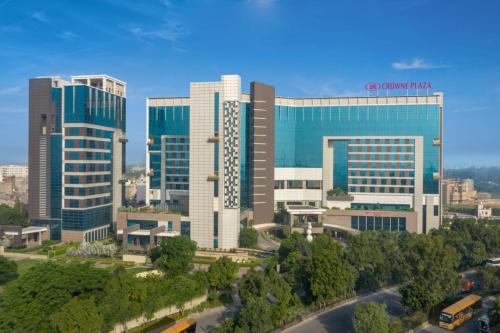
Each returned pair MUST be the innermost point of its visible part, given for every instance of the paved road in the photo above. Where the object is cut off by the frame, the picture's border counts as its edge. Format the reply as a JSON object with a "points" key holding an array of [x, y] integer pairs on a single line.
{"points": [[339, 319], [266, 243], [209, 319], [468, 327]]}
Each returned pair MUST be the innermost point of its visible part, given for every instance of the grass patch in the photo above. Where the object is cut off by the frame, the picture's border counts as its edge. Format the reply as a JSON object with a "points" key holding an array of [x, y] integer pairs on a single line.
{"points": [[24, 265], [204, 260], [251, 262], [103, 261]]}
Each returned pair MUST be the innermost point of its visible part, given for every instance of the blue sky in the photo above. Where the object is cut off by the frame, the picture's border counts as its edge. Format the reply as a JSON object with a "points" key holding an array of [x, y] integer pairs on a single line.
{"points": [[304, 48]]}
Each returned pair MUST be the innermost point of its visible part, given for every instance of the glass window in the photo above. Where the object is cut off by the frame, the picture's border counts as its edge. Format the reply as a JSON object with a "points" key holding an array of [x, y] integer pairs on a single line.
{"points": [[313, 184], [295, 184], [378, 223], [387, 223], [354, 222], [369, 223], [279, 184]]}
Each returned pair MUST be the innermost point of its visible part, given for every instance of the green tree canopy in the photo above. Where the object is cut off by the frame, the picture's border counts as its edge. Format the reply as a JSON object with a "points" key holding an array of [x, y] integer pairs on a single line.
{"points": [[371, 317], [13, 215], [248, 237], [77, 316], [222, 273], [174, 255], [27, 303], [8, 270], [331, 276], [255, 316], [433, 272]]}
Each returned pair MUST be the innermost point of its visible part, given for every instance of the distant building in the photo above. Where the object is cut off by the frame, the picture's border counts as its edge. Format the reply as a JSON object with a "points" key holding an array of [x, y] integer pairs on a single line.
{"points": [[483, 211], [456, 191], [76, 154], [13, 170]]}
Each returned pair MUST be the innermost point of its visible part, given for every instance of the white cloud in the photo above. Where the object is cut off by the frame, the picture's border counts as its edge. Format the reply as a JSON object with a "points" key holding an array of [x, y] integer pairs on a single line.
{"points": [[417, 63], [68, 36], [171, 32], [40, 16]]}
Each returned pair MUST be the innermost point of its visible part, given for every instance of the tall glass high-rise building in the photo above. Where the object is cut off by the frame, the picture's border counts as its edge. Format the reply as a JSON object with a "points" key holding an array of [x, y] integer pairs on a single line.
{"points": [[376, 160], [76, 154]]}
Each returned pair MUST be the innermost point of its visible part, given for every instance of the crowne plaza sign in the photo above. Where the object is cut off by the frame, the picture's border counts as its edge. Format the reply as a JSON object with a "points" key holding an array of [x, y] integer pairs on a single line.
{"points": [[373, 86]]}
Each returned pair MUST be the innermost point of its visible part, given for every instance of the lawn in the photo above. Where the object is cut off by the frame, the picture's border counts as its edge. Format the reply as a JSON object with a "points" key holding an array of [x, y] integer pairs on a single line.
{"points": [[24, 265]]}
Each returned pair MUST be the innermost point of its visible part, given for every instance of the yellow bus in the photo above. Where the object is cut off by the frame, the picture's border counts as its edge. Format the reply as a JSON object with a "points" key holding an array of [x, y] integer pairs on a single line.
{"points": [[459, 312], [182, 326]]}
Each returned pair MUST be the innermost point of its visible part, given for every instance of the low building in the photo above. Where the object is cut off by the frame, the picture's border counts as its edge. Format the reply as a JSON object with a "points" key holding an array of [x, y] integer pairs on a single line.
{"points": [[457, 191], [20, 237], [366, 220], [13, 170], [141, 230], [483, 211]]}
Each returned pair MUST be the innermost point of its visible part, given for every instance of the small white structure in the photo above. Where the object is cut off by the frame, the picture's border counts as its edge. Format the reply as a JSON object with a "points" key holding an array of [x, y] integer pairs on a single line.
{"points": [[309, 236], [482, 211]]}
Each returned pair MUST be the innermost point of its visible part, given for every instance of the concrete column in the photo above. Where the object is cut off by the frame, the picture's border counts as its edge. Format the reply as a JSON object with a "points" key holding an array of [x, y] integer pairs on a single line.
{"points": [[162, 171], [419, 182], [327, 183]]}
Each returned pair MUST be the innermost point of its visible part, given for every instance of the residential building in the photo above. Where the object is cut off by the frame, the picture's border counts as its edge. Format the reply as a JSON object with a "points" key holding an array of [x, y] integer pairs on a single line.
{"points": [[483, 211], [13, 170], [76, 154], [226, 150], [457, 191]]}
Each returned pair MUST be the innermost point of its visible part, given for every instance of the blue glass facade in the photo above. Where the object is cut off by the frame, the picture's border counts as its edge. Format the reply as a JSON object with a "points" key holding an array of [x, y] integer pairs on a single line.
{"points": [[299, 132], [90, 106], [84, 104], [55, 175], [172, 122], [81, 220], [244, 167]]}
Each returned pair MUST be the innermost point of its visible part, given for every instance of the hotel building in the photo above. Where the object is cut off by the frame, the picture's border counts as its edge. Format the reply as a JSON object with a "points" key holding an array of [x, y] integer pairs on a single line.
{"points": [[76, 154], [221, 150]]}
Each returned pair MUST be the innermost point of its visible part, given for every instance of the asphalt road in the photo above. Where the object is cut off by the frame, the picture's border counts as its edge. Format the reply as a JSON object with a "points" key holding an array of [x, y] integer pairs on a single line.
{"points": [[267, 244], [339, 319], [209, 319], [468, 327]]}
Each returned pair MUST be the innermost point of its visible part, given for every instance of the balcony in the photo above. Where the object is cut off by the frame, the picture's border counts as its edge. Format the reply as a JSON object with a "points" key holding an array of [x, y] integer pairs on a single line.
{"points": [[150, 173], [149, 142], [123, 180], [436, 142], [123, 139], [436, 175], [214, 177], [214, 138]]}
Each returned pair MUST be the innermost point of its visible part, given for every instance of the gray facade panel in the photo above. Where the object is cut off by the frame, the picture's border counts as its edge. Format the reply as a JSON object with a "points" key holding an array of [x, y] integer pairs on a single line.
{"points": [[41, 123], [262, 152]]}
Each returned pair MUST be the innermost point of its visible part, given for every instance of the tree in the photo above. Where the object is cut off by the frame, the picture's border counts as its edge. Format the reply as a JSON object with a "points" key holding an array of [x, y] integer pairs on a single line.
{"points": [[490, 279], [13, 215], [124, 298], [248, 237], [330, 274], [8, 270], [433, 276], [77, 316], [255, 316], [371, 317], [222, 273], [174, 255], [28, 302]]}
